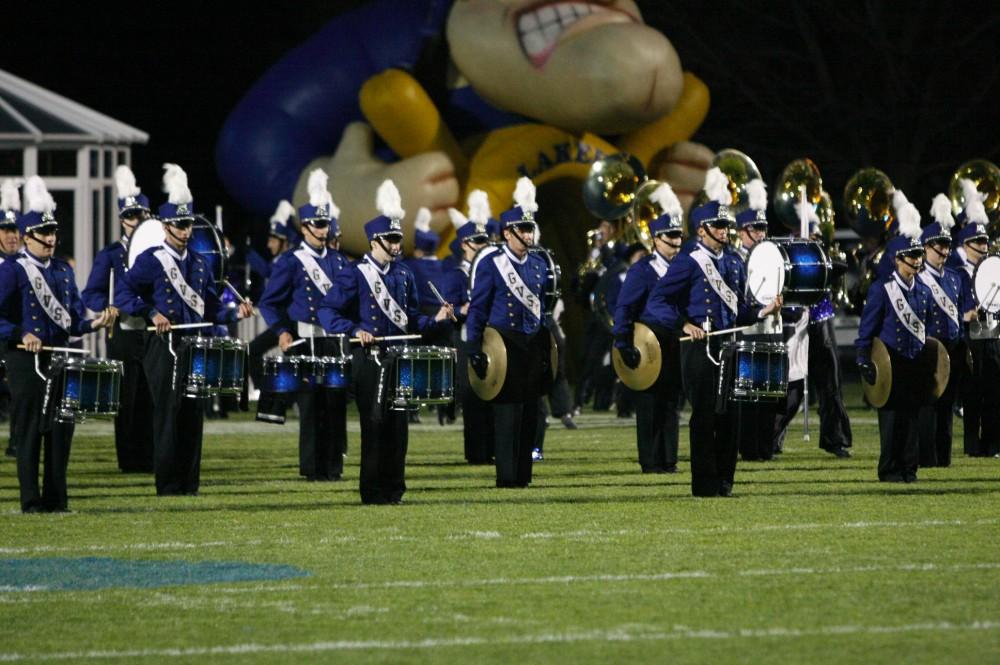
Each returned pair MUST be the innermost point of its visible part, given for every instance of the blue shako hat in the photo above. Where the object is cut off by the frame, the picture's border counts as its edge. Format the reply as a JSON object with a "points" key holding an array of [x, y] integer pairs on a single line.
{"points": [[180, 204], [671, 211], [321, 205], [718, 206], [389, 203], [423, 238], [131, 201], [10, 203], [279, 226], [940, 229], [41, 208], [974, 231], [477, 226], [525, 206], [756, 213]]}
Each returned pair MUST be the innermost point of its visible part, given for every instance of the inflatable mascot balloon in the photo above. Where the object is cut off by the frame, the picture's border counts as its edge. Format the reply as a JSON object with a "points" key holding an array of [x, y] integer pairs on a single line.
{"points": [[463, 95]]}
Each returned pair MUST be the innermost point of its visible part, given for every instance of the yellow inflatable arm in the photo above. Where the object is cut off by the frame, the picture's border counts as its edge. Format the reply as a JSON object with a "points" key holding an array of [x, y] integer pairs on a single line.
{"points": [[678, 125]]}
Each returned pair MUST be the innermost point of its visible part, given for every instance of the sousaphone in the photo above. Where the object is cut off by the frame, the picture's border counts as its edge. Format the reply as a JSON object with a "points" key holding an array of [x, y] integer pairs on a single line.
{"points": [[651, 359]]}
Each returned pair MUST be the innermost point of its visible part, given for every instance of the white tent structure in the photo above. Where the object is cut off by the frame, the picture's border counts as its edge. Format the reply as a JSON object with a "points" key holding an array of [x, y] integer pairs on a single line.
{"points": [[76, 150]]}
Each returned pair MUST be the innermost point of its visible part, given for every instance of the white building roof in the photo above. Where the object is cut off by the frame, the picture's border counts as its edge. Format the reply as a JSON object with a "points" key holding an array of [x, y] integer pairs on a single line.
{"points": [[33, 114]]}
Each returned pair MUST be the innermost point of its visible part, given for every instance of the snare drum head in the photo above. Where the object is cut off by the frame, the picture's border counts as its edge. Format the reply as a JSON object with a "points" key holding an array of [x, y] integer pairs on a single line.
{"points": [[766, 271], [986, 284], [148, 234]]}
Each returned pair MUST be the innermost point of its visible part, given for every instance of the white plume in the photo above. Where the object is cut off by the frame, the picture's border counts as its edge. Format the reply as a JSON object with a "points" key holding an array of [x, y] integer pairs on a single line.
{"points": [[10, 197], [664, 196], [906, 214], [283, 212], [479, 207], [388, 201], [316, 187], [524, 195], [175, 184], [458, 220], [757, 194], [806, 209], [975, 211], [125, 182], [941, 212], [37, 196], [422, 222], [717, 186]]}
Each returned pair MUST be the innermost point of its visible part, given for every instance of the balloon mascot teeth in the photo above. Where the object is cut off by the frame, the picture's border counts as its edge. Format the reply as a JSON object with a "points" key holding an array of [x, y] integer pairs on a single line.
{"points": [[463, 95]]}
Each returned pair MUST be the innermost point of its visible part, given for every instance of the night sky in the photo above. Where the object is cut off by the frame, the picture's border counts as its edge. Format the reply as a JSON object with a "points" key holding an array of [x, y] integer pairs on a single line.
{"points": [[909, 87]]}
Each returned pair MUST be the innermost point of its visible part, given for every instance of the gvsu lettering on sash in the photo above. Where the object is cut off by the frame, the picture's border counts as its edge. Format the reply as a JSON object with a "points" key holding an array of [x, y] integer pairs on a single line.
{"points": [[313, 271], [715, 280], [940, 297], [176, 279], [383, 298], [904, 312], [43, 294], [516, 285]]}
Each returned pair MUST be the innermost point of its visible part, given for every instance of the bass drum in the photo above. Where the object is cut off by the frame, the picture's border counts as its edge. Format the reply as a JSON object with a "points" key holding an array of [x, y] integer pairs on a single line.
{"points": [[553, 275], [148, 234], [986, 284], [205, 240]]}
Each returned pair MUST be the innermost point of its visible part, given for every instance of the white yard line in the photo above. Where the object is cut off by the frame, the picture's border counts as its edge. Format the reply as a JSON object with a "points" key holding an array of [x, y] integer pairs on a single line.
{"points": [[624, 634]]}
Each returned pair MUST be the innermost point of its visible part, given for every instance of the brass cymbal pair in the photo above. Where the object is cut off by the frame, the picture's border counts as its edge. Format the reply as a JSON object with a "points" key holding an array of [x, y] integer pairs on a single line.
{"points": [[651, 359], [490, 386], [878, 393]]}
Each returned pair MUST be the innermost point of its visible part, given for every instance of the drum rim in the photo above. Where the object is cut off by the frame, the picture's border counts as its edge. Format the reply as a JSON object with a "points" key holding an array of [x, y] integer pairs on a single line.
{"points": [[755, 345], [77, 363], [784, 272]]}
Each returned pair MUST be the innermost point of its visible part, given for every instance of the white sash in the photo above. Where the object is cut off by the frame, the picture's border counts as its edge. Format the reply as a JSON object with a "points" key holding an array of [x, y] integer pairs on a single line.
{"points": [[517, 286], [484, 252], [940, 297], [715, 280], [380, 292], [44, 295], [316, 274], [173, 272], [904, 312], [659, 265]]}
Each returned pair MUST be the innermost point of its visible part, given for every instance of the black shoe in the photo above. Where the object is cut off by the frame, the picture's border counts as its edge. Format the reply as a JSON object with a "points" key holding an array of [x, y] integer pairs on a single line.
{"points": [[672, 468], [725, 489], [839, 451], [891, 478], [653, 469], [11, 452], [909, 478], [567, 422]]}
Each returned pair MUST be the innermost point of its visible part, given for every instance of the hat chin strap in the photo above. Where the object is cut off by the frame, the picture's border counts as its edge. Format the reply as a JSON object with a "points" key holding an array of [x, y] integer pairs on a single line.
{"points": [[709, 231], [43, 243], [513, 232], [392, 255], [169, 229]]}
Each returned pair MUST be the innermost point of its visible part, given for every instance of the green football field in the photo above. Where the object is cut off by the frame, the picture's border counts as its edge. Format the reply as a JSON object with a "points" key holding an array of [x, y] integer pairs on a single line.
{"points": [[812, 560]]}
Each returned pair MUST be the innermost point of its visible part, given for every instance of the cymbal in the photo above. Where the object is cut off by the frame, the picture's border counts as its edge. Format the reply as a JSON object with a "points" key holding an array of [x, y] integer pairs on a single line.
{"points": [[942, 367], [878, 393], [643, 376], [489, 387]]}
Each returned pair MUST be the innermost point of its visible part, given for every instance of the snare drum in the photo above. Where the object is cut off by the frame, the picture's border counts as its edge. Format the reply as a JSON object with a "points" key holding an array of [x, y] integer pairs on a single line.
{"points": [[283, 374], [758, 370], [334, 372], [798, 269], [86, 387], [215, 366], [421, 375]]}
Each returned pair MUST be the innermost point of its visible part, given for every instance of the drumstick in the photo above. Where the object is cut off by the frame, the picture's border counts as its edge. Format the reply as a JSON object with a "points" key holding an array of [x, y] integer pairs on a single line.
{"points": [[437, 294], [389, 338], [727, 331], [57, 349], [297, 342], [111, 299], [235, 292], [183, 326]]}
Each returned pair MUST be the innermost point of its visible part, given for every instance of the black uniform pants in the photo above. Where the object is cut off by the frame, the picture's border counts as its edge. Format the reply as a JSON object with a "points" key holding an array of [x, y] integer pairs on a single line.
{"points": [[515, 431], [322, 433], [477, 416], [657, 420], [259, 345], [899, 444], [384, 435], [177, 421], [38, 439], [936, 421], [981, 399], [133, 438], [713, 446], [825, 380]]}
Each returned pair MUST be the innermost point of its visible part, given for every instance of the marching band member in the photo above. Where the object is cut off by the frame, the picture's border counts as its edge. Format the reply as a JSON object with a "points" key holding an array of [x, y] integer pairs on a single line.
{"points": [[39, 306], [377, 297], [10, 244], [754, 421], [657, 407], [126, 341], [896, 311], [166, 286], [279, 239], [477, 417], [952, 303], [507, 296], [299, 281], [981, 389], [703, 286]]}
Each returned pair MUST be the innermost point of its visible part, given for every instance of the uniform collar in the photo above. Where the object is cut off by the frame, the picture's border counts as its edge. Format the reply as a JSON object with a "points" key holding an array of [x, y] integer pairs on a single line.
{"points": [[703, 247], [902, 282], [38, 262], [173, 252], [659, 258], [309, 248], [384, 269], [932, 270], [962, 254], [513, 256]]}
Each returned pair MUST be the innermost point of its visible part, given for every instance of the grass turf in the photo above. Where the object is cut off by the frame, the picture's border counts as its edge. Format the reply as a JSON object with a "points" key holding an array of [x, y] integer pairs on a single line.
{"points": [[811, 561]]}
